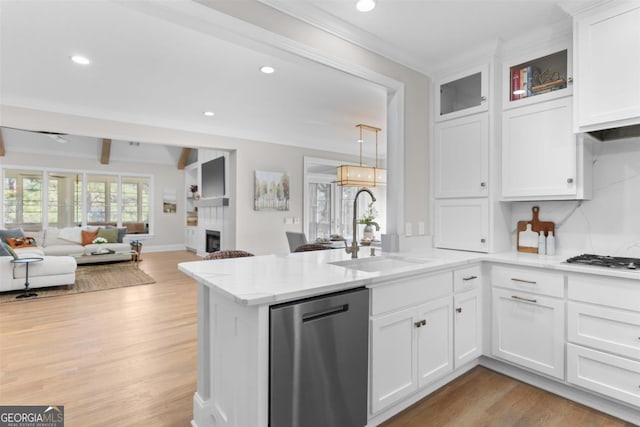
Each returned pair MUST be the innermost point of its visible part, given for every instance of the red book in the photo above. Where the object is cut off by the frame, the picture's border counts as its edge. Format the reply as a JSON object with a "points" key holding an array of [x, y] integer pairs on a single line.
{"points": [[515, 84]]}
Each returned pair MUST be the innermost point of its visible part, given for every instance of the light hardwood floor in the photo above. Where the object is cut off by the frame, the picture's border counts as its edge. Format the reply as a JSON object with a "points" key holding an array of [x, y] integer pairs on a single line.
{"points": [[127, 357]]}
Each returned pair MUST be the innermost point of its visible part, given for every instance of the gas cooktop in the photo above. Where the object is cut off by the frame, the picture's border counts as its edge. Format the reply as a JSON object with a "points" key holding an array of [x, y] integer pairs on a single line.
{"points": [[606, 261]]}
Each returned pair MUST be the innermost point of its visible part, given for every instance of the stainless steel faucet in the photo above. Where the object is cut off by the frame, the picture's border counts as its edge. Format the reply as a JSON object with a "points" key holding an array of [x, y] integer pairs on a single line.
{"points": [[353, 249]]}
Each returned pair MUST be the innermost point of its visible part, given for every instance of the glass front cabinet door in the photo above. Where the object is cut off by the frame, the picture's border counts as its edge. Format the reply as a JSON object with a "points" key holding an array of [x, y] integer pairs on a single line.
{"points": [[462, 94], [542, 77]]}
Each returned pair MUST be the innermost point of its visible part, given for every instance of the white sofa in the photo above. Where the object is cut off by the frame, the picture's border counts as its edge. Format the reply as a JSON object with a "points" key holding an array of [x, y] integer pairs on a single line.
{"points": [[61, 250], [51, 271], [67, 241]]}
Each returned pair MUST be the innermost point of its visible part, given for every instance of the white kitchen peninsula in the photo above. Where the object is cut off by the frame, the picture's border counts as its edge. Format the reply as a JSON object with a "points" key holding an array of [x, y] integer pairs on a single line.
{"points": [[234, 297]]}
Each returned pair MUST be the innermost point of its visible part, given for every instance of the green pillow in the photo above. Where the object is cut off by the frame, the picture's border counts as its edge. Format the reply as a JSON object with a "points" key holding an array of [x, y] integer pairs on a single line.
{"points": [[111, 234], [6, 250]]}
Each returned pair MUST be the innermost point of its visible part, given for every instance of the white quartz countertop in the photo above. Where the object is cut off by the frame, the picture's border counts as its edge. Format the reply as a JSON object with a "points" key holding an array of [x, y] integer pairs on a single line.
{"points": [[272, 279]]}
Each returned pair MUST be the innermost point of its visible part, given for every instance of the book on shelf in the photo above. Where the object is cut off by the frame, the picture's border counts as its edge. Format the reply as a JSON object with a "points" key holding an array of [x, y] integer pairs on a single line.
{"points": [[515, 84]]}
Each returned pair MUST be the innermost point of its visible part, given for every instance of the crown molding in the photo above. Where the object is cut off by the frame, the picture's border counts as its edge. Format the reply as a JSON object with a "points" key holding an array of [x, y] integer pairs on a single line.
{"points": [[574, 8], [331, 24]]}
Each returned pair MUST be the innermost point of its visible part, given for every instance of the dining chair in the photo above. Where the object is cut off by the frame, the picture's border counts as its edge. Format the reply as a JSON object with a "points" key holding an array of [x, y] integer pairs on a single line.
{"points": [[227, 254], [295, 239], [312, 247]]}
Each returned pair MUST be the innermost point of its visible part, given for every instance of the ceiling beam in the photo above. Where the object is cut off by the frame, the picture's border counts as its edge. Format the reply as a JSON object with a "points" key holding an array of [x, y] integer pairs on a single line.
{"points": [[106, 151], [184, 156], [2, 150]]}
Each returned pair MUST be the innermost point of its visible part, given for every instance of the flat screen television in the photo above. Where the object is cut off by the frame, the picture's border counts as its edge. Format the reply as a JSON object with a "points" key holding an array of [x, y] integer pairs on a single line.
{"points": [[213, 178]]}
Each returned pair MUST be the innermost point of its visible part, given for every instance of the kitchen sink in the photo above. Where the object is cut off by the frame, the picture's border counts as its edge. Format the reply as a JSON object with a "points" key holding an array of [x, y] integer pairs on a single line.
{"points": [[381, 263]]}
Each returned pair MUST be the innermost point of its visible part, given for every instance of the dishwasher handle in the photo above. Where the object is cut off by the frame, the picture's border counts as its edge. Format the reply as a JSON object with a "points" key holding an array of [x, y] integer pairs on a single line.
{"points": [[315, 315]]}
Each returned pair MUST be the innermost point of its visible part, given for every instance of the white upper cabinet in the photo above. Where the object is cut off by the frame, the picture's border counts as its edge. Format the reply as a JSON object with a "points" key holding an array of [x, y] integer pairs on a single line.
{"points": [[462, 94], [542, 159], [607, 61], [461, 164], [461, 224], [540, 76]]}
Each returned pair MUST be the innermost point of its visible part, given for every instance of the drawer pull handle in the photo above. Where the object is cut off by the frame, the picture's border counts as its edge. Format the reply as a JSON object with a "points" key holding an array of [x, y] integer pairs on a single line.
{"points": [[459, 310], [420, 323], [469, 278], [524, 299], [523, 281]]}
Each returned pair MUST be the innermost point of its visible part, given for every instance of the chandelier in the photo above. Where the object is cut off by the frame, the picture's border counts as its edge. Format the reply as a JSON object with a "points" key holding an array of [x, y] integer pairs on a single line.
{"points": [[362, 176]]}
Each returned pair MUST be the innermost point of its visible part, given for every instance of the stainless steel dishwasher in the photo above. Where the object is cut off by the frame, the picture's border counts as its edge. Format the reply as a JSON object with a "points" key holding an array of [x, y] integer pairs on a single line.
{"points": [[318, 361]]}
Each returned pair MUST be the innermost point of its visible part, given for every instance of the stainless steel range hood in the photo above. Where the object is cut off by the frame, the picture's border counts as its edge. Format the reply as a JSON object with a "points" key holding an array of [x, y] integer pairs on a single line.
{"points": [[612, 134]]}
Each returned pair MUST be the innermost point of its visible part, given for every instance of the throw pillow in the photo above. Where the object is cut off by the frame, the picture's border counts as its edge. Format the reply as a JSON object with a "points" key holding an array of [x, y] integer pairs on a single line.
{"points": [[21, 242], [70, 234], [121, 232], [5, 250], [111, 234], [88, 237], [13, 232]]}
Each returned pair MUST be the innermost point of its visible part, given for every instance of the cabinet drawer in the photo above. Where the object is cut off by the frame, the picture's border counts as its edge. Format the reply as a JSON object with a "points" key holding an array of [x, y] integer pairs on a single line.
{"points": [[528, 329], [614, 292], [604, 328], [467, 279], [408, 292], [610, 375], [528, 280]]}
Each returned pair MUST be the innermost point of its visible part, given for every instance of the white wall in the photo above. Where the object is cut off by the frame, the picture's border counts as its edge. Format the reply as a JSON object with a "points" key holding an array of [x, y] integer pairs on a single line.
{"points": [[609, 224], [263, 232]]}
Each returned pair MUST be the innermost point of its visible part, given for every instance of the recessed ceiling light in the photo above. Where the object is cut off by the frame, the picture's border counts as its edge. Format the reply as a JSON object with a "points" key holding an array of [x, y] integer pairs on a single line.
{"points": [[365, 5], [267, 69], [209, 113], [81, 60]]}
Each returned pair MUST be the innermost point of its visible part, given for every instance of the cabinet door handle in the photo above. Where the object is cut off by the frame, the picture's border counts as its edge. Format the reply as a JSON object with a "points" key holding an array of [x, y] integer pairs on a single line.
{"points": [[483, 184], [420, 323], [459, 310], [524, 299], [523, 281], [569, 180], [469, 278], [483, 98], [483, 240]]}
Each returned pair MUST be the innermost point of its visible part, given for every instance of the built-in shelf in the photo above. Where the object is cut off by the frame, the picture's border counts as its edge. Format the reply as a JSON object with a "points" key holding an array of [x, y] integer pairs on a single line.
{"points": [[212, 203]]}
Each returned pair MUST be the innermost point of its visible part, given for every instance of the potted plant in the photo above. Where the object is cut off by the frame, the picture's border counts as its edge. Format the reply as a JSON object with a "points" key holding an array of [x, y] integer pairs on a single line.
{"points": [[368, 219], [100, 241]]}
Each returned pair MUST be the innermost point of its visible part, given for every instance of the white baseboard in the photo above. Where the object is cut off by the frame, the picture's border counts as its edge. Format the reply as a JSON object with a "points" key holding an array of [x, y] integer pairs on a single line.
{"points": [[201, 412], [162, 248]]}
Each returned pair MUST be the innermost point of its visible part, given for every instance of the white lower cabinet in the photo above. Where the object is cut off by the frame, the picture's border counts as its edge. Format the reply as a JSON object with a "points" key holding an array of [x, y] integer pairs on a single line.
{"points": [[434, 327], [528, 329], [467, 327], [394, 369], [409, 349], [190, 241], [603, 329], [613, 376]]}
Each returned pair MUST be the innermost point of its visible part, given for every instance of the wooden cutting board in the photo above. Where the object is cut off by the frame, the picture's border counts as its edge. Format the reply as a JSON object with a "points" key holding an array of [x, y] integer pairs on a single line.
{"points": [[536, 226]]}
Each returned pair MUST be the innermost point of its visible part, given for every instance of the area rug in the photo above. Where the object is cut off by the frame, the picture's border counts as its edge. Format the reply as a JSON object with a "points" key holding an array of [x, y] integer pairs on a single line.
{"points": [[91, 278]]}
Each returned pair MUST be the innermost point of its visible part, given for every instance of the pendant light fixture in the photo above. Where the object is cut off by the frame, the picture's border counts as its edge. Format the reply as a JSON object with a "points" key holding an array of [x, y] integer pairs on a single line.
{"points": [[362, 176]]}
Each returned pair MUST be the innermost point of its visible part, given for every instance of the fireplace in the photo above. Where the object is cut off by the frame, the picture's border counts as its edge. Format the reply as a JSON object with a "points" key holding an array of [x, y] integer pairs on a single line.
{"points": [[213, 241]]}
